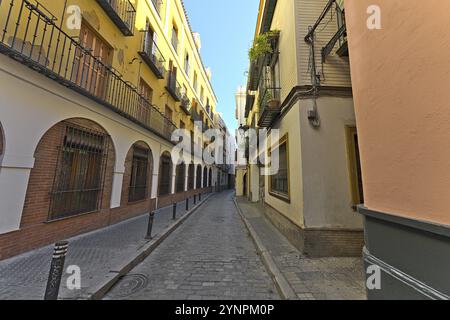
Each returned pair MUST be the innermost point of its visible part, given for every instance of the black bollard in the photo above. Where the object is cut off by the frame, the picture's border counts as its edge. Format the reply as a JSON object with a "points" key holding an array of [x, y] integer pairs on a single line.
{"points": [[187, 204], [151, 217], [56, 270], [174, 213], [195, 199]]}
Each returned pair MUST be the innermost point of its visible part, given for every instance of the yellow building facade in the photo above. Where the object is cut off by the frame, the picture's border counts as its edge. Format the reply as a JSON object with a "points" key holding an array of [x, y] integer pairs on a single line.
{"points": [[300, 88], [93, 91]]}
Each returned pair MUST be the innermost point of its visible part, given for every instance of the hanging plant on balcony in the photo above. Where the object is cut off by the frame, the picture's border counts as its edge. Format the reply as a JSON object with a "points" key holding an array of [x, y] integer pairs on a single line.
{"points": [[262, 46]]}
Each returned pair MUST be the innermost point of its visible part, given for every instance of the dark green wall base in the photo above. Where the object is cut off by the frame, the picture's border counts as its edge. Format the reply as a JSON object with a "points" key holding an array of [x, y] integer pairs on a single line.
{"points": [[413, 256]]}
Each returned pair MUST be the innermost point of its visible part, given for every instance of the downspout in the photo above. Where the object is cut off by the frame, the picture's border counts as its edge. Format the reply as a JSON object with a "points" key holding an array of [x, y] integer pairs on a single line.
{"points": [[63, 15], [313, 114]]}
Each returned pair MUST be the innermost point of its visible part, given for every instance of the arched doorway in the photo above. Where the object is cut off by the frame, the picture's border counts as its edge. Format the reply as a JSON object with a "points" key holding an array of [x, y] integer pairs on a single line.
{"points": [[72, 175], [191, 173], [180, 177], [165, 174], [205, 177], [210, 178], [138, 173], [244, 184]]}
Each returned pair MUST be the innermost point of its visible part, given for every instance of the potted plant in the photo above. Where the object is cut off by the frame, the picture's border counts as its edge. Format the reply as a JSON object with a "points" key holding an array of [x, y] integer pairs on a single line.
{"points": [[262, 46]]}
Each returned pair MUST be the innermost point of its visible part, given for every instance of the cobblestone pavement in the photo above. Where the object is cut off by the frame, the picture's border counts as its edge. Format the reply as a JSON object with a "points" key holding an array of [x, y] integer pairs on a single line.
{"points": [[211, 256], [96, 253], [311, 278]]}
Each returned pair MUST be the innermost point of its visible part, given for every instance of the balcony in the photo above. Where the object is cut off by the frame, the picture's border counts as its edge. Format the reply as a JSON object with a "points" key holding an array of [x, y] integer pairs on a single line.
{"points": [[122, 13], [185, 105], [32, 36], [339, 38], [173, 87], [270, 106], [152, 56]]}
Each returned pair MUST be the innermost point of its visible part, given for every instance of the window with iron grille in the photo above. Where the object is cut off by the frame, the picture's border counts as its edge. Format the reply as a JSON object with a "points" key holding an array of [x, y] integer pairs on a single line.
{"points": [[191, 177], [279, 182], [79, 177], [165, 174], [180, 176], [139, 175]]}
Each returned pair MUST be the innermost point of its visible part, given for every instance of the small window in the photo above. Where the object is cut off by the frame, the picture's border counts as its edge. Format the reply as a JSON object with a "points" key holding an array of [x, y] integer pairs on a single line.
{"points": [[139, 175], [146, 91], [175, 37], [354, 164], [202, 95], [279, 182], [186, 64], [195, 81]]}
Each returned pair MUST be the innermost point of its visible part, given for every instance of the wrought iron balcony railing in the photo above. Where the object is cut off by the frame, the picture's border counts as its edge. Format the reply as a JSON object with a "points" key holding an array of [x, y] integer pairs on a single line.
{"points": [[122, 13], [30, 35], [173, 87], [269, 106], [152, 56], [185, 104]]}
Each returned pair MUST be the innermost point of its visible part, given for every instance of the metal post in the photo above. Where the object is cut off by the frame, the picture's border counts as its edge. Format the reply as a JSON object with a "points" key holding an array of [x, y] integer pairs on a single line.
{"points": [[151, 217], [195, 199], [174, 215], [187, 204], [56, 270]]}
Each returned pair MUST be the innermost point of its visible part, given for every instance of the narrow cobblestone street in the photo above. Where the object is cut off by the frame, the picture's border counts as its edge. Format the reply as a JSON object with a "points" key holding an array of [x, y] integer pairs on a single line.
{"points": [[211, 256]]}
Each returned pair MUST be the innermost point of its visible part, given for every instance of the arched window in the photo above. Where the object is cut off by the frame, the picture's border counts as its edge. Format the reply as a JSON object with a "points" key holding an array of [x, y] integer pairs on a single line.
{"points": [[165, 174], [139, 173], [199, 177], [76, 156], [180, 176], [191, 176], [205, 177]]}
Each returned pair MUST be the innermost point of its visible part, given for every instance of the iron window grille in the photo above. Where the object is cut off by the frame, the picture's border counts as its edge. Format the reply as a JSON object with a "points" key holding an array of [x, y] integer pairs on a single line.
{"points": [[180, 174], [80, 173], [191, 177], [151, 54], [205, 177], [279, 182], [165, 175], [139, 175]]}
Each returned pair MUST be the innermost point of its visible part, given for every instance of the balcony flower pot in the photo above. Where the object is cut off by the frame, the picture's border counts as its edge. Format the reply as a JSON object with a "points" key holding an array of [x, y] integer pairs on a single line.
{"points": [[273, 104]]}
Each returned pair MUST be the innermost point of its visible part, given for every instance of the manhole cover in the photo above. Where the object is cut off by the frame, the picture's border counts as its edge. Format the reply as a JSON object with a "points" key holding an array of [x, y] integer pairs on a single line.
{"points": [[129, 285]]}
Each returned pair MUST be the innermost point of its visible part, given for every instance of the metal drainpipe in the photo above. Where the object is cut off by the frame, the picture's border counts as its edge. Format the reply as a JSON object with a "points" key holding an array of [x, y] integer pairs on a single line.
{"points": [[63, 13], [313, 114]]}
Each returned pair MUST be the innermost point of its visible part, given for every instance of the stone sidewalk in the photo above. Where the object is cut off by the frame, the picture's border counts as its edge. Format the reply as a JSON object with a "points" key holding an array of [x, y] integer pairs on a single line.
{"points": [[96, 253], [310, 278]]}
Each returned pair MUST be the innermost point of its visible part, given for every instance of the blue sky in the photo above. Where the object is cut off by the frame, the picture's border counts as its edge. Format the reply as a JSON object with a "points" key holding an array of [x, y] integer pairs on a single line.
{"points": [[226, 28]]}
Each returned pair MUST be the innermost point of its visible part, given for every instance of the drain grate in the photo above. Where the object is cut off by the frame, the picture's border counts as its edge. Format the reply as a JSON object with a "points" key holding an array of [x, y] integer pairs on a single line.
{"points": [[130, 284]]}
